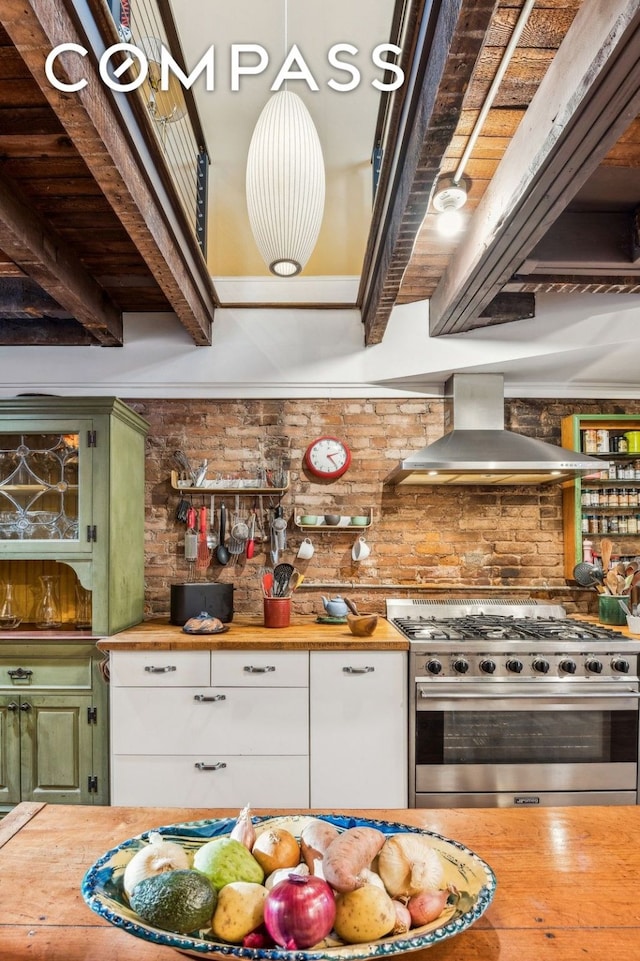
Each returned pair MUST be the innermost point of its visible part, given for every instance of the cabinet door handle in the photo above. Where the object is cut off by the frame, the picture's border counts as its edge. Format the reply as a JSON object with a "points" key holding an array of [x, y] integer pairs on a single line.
{"points": [[12, 706], [161, 670], [359, 670], [203, 697], [20, 673], [210, 767], [25, 706], [250, 669]]}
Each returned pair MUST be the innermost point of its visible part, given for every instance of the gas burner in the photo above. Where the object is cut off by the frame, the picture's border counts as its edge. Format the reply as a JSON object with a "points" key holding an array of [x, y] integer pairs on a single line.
{"points": [[505, 623]]}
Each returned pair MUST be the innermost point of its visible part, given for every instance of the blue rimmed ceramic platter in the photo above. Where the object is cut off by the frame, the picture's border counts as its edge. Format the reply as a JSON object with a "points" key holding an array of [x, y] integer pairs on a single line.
{"points": [[469, 874]]}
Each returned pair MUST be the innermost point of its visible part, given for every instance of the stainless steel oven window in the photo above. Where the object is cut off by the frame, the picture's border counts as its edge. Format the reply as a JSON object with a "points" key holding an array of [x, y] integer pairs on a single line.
{"points": [[526, 737]]}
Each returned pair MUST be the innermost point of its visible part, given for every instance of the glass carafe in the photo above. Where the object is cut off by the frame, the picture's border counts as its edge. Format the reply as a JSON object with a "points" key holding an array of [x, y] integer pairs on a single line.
{"points": [[9, 617], [47, 608], [83, 608]]}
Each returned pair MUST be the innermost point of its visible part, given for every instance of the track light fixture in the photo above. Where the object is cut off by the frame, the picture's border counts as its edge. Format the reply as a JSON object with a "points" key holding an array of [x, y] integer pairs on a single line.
{"points": [[449, 199]]}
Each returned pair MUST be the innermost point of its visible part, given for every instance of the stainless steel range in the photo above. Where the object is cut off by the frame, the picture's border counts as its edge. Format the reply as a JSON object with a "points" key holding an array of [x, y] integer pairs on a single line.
{"points": [[514, 703]]}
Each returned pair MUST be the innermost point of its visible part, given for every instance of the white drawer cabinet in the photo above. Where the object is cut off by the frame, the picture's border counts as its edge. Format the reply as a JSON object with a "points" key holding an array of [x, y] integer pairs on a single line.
{"points": [[210, 728], [223, 780], [232, 720], [160, 668], [293, 729], [358, 723]]}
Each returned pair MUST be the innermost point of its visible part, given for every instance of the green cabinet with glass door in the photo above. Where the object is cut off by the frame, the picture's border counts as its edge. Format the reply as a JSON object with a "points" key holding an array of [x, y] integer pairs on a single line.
{"points": [[72, 492]]}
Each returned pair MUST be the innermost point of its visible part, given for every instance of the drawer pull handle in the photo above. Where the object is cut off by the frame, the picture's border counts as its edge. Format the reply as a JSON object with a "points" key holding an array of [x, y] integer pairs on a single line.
{"points": [[359, 670], [12, 706], [20, 673], [161, 670], [250, 669], [210, 767], [25, 706], [203, 697]]}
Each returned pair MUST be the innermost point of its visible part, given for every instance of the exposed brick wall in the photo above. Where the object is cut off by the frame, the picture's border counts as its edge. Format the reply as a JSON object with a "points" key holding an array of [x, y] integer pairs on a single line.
{"points": [[465, 538]]}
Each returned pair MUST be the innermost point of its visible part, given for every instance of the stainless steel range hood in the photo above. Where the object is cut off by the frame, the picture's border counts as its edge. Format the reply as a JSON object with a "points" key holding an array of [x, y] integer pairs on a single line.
{"points": [[478, 450]]}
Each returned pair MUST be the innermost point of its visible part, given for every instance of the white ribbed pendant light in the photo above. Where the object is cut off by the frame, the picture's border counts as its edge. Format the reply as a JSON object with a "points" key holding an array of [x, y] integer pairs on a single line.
{"points": [[285, 184]]}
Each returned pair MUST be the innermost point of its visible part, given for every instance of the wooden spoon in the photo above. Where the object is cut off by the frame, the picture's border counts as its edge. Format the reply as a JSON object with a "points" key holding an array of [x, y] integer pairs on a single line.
{"points": [[611, 581], [606, 547], [352, 606]]}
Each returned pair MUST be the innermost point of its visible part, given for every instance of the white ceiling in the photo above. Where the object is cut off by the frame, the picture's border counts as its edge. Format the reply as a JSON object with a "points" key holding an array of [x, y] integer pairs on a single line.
{"points": [[345, 121]]}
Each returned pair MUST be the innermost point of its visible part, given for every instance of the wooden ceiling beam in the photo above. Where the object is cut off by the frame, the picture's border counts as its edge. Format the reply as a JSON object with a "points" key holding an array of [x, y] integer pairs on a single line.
{"points": [[47, 260], [44, 332], [91, 120], [451, 39], [585, 102]]}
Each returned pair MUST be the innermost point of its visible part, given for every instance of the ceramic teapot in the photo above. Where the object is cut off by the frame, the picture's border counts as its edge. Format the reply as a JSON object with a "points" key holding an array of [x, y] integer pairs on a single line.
{"points": [[335, 607]]}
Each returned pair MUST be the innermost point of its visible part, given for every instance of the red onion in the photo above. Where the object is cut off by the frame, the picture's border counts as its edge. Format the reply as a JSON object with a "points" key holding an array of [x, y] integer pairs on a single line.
{"points": [[299, 911]]}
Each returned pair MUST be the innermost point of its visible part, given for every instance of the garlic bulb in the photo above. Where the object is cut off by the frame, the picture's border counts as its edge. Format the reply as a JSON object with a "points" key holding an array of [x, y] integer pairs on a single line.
{"points": [[155, 857], [408, 864], [244, 831], [281, 873]]}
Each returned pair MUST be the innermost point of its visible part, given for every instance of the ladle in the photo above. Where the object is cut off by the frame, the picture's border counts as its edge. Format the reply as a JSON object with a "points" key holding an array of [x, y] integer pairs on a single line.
{"points": [[222, 554]]}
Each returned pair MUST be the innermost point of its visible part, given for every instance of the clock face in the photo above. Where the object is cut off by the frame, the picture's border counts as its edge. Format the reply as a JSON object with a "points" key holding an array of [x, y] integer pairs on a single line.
{"points": [[327, 457]]}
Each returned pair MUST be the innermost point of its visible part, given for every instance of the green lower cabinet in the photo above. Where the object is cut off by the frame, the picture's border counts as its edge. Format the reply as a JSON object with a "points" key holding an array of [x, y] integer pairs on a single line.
{"points": [[9, 752], [53, 743], [56, 759]]}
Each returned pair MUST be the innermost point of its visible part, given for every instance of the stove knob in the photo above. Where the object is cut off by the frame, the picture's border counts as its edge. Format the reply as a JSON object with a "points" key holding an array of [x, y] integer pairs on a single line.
{"points": [[568, 666], [619, 664], [461, 666], [434, 667], [540, 665], [514, 666], [594, 666], [487, 667]]}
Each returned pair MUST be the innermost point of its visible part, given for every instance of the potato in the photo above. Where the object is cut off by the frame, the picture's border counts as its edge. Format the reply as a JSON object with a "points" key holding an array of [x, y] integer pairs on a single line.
{"points": [[315, 838], [365, 914], [240, 910], [346, 857]]}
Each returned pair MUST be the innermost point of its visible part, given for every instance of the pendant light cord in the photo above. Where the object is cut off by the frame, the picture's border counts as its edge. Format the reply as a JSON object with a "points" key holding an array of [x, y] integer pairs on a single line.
{"points": [[286, 35]]}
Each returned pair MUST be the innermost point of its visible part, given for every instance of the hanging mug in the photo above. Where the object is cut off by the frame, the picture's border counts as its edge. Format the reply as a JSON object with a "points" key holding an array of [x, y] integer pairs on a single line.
{"points": [[305, 551], [360, 549]]}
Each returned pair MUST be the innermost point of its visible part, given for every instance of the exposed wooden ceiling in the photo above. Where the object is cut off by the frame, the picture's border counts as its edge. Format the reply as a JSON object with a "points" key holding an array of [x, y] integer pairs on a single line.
{"points": [[554, 174], [83, 233], [554, 178]]}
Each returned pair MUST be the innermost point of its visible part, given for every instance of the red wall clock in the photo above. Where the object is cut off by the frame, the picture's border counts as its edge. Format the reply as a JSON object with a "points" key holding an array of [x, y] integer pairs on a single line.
{"points": [[327, 457]]}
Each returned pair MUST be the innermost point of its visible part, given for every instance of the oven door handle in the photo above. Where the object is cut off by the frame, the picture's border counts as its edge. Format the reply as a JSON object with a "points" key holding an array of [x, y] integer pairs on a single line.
{"points": [[528, 695]]}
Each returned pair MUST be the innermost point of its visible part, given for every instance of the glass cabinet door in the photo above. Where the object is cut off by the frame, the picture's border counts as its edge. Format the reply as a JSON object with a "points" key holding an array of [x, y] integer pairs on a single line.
{"points": [[45, 489]]}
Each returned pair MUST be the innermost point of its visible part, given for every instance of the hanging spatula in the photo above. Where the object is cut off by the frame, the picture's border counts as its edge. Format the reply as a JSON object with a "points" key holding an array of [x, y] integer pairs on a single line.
{"points": [[204, 552]]}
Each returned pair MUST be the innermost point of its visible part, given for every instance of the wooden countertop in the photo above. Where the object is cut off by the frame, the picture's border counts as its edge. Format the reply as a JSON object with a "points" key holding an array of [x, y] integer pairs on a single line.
{"points": [[247, 632], [567, 881]]}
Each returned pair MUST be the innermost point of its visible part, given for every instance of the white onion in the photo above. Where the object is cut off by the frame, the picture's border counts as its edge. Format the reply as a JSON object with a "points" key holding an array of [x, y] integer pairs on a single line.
{"points": [[155, 857]]}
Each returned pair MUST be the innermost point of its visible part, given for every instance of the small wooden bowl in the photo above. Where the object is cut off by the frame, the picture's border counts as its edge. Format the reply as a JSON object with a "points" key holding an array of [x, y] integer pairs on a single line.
{"points": [[362, 625]]}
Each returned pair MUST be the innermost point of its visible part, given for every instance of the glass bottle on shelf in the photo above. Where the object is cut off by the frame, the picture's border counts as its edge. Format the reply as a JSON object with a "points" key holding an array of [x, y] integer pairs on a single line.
{"points": [[9, 617], [83, 608], [47, 609]]}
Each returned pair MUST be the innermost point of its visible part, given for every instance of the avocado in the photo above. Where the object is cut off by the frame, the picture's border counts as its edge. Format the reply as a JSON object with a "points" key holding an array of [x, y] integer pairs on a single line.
{"points": [[180, 901]]}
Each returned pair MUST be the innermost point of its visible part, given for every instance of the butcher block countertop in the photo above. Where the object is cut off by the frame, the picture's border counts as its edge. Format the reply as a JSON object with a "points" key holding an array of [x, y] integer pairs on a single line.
{"points": [[248, 633], [567, 881]]}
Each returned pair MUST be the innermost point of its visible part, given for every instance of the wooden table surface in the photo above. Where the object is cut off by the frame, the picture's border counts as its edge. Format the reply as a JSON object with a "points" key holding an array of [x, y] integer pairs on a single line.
{"points": [[568, 881]]}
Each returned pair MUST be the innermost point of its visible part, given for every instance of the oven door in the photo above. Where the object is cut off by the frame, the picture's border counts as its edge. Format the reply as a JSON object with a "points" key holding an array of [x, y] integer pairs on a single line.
{"points": [[557, 739]]}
